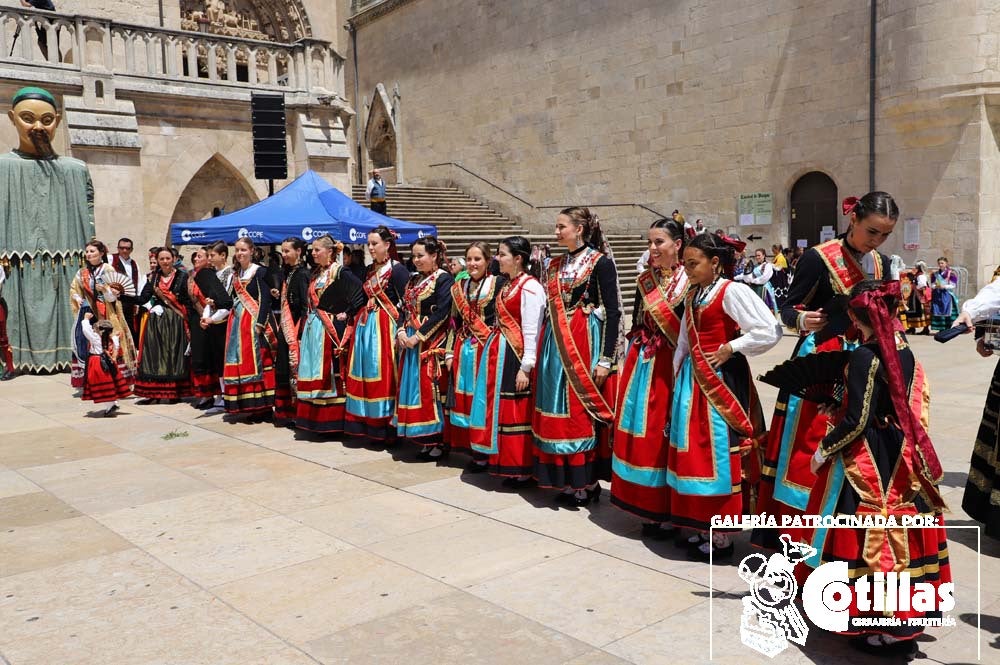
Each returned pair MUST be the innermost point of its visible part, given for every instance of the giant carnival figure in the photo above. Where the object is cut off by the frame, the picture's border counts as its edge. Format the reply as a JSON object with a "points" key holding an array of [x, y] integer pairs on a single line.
{"points": [[46, 220]]}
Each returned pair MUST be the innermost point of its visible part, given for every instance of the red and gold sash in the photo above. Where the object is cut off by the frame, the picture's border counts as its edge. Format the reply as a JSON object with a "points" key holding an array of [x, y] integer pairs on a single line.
{"points": [[576, 367], [660, 304], [340, 343], [197, 297], [289, 328], [252, 306], [417, 293], [509, 325], [374, 288], [844, 269], [713, 387], [169, 299], [468, 312]]}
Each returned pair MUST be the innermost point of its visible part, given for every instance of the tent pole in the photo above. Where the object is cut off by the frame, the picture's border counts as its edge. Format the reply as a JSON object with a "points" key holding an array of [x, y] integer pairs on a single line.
{"points": [[270, 187]]}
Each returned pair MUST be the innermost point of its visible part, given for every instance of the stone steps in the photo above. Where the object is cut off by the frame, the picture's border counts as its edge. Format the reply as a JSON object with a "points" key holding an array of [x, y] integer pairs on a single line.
{"points": [[461, 220]]}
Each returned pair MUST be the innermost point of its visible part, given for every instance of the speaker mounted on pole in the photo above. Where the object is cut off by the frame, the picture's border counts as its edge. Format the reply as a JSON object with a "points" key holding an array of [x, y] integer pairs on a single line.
{"points": [[267, 120]]}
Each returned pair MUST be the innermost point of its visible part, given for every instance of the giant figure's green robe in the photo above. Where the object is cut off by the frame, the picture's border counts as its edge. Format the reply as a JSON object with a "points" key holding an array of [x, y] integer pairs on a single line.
{"points": [[46, 220]]}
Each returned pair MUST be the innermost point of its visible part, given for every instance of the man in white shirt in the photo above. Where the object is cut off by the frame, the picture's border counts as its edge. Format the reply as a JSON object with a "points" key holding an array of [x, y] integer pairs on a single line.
{"points": [[375, 193], [126, 265]]}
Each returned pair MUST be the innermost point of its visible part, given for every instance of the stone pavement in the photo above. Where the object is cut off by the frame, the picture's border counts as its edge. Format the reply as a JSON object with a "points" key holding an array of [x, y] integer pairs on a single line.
{"points": [[163, 536]]}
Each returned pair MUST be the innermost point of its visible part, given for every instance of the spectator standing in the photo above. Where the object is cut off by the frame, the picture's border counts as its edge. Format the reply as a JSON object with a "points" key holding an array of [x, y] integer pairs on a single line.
{"points": [[40, 31], [375, 193]]}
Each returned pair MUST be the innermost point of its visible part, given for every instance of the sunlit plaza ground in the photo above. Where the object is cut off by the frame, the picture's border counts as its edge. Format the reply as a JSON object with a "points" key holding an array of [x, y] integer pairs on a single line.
{"points": [[164, 536]]}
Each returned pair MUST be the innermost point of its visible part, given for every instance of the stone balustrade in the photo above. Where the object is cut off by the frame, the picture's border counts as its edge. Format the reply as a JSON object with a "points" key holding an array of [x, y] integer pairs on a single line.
{"points": [[146, 57]]}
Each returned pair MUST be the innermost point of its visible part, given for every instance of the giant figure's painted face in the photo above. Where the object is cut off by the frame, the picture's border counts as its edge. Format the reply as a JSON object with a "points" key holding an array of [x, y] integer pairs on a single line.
{"points": [[36, 122]]}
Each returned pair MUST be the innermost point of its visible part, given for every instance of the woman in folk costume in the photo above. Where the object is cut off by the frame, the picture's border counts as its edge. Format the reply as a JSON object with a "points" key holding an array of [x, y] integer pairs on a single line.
{"points": [[878, 460], [422, 332], [333, 297], [983, 484], [293, 300], [716, 422], [103, 383], [164, 370], [474, 314], [815, 308], [575, 389], [944, 304], [250, 341], [210, 305], [97, 287], [372, 384], [216, 321], [759, 279], [639, 463], [500, 420]]}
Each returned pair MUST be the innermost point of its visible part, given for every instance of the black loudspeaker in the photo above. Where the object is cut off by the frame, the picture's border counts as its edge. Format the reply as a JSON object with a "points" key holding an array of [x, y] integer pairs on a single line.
{"points": [[267, 118]]}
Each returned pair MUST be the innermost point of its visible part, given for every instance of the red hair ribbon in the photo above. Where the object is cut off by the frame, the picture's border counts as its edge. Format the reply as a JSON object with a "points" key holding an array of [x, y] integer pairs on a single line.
{"points": [[918, 452], [737, 245], [849, 205]]}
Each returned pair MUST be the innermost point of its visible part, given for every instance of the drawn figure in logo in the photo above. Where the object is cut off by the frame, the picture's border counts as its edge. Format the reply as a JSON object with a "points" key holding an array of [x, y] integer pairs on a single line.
{"points": [[770, 620]]}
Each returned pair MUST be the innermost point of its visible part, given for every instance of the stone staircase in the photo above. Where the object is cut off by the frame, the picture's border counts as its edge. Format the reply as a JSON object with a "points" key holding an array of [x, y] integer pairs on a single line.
{"points": [[462, 219]]}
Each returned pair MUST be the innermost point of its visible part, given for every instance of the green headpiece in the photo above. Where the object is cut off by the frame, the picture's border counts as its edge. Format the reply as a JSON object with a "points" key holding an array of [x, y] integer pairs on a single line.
{"points": [[32, 92]]}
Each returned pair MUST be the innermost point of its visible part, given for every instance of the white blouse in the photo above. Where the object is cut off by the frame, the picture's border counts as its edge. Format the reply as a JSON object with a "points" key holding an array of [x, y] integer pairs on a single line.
{"points": [[986, 304], [761, 331], [533, 304], [96, 346], [766, 272]]}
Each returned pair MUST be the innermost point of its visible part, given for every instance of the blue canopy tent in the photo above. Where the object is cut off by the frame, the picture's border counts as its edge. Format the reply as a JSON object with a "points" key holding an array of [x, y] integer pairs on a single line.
{"points": [[307, 207]]}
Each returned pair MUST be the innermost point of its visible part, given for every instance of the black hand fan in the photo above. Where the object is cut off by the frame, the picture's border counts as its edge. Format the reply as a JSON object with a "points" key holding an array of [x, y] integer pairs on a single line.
{"points": [[817, 377]]}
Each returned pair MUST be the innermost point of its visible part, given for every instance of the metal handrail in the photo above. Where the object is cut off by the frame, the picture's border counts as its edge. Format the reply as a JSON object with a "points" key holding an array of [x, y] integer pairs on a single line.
{"points": [[605, 205], [488, 182], [547, 207]]}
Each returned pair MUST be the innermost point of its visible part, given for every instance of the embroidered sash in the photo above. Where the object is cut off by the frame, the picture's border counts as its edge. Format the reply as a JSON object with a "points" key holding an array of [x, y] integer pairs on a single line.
{"points": [[289, 328], [844, 269], [374, 288], [713, 387], [468, 312], [169, 299], [660, 305], [340, 343], [509, 325], [252, 306], [576, 367], [197, 297]]}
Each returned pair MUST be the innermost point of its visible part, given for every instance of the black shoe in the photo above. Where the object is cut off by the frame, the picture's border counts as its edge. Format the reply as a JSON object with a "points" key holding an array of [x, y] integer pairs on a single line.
{"points": [[719, 554], [425, 454], [591, 495], [8, 375], [902, 648], [518, 483], [114, 409], [204, 404], [563, 497], [655, 531], [475, 467], [146, 401]]}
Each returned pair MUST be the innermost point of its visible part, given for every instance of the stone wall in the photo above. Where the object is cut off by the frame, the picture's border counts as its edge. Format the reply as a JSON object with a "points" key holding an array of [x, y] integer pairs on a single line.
{"points": [[688, 104]]}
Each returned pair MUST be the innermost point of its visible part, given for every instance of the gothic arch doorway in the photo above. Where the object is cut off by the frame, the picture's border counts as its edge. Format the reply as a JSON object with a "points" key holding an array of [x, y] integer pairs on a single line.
{"points": [[217, 184], [380, 135], [813, 206]]}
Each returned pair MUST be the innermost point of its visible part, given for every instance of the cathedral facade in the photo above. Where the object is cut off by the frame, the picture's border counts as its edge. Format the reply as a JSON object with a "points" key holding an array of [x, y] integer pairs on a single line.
{"points": [[756, 116]]}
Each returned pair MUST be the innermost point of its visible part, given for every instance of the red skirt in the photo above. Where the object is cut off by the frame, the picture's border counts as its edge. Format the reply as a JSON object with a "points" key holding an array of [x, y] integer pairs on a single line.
{"points": [[320, 416], [503, 432], [371, 378], [639, 465], [249, 379], [103, 386], [204, 385], [284, 405]]}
